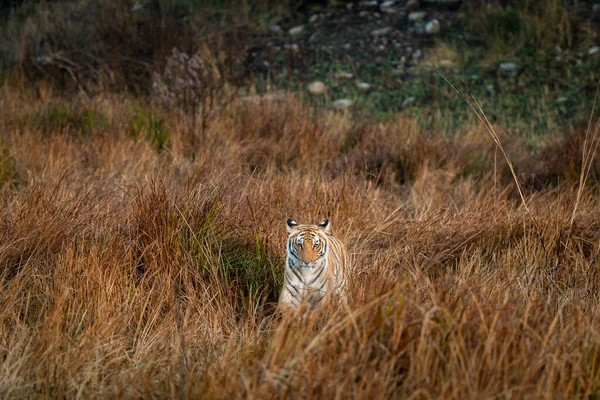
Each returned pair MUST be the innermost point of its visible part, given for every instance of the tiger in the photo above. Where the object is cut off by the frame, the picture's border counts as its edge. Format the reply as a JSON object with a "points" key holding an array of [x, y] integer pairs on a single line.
{"points": [[315, 267]]}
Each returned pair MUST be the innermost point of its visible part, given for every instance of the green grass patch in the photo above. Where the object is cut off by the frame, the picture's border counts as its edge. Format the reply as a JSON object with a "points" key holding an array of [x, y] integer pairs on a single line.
{"points": [[67, 118], [148, 124], [255, 272], [508, 27], [547, 95]]}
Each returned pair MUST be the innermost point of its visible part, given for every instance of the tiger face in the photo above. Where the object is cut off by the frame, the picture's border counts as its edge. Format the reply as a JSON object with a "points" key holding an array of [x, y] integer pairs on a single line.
{"points": [[306, 241]]}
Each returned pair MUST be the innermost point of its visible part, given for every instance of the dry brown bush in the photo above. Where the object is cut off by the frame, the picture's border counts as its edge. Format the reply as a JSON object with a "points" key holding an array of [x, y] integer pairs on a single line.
{"points": [[130, 271]]}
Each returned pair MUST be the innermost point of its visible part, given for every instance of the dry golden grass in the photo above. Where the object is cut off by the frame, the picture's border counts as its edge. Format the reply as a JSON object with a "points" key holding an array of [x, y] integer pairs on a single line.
{"points": [[131, 272]]}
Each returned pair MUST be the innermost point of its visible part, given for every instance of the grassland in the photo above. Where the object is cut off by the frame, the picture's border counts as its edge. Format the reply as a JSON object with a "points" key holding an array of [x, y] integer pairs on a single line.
{"points": [[141, 248]]}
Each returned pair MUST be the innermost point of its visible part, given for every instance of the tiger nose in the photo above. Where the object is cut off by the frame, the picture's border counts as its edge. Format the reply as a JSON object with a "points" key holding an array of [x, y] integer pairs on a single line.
{"points": [[309, 257]]}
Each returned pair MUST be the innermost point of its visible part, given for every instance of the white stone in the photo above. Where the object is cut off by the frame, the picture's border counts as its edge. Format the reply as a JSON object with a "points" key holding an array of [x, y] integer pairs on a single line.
{"points": [[508, 69], [364, 86], [417, 54], [344, 75], [314, 18], [560, 100], [293, 47], [276, 96], [416, 15], [296, 30], [381, 31], [316, 87], [342, 104], [432, 27], [408, 101], [594, 50], [275, 28], [388, 7]]}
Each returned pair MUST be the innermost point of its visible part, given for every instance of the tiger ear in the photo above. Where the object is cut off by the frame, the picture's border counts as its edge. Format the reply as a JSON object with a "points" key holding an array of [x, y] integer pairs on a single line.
{"points": [[325, 226], [291, 225]]}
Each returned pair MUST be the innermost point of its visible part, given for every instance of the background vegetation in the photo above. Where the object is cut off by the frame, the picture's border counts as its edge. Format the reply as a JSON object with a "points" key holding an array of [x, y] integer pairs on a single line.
{"points": [[142, 214]]}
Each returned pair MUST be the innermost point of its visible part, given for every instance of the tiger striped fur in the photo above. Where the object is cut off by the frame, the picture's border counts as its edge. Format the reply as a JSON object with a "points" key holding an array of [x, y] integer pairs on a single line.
{"points": [[315, 267]]}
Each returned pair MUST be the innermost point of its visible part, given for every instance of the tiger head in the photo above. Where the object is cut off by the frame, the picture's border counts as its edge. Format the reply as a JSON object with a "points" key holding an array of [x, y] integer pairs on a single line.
{"points": [[307, 242]]}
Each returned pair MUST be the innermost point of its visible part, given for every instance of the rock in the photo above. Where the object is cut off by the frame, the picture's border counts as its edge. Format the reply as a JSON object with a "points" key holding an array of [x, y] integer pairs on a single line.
{"points": [[275, 28], [561, 99], [412, 4], [508, 69], [293, 47], [349, 6], [342, 104], [347, 46], [314, 37], [344, 75], [416, 16], [419, 29], [296, 30], [363, 86], [417, 54], [314, 18], [448, 4], [408, 101], [388, 7], [251, 99], [432, 27], [276, 96], [376, 15], [363, 14], [381, 31], [446, 63], [490, 88], [594, 50], [316, 87]]}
